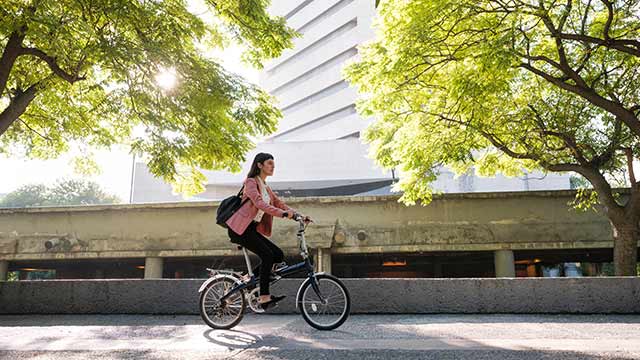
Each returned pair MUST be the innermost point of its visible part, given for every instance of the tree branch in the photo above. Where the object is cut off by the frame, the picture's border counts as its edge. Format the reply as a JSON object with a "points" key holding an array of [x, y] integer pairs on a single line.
{"points": [[564, 64], [629, 153], [598, 181], [607, 25], [32, 129], [17, 106], [53, 65], [601, 159], [593, 97], [628, 46]]}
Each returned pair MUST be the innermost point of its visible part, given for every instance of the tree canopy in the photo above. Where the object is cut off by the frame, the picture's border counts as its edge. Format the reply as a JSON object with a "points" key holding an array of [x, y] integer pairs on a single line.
{"points": [[86, 71], [507, 86], [63, 192]]}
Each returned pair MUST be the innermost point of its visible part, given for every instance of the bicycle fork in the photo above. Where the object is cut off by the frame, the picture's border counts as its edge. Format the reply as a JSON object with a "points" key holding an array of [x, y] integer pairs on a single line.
{"points": [[316, 288]]}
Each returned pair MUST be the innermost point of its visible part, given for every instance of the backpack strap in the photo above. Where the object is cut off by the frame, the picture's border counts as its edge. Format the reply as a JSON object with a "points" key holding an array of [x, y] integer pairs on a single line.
{"points": [[240, 196]]}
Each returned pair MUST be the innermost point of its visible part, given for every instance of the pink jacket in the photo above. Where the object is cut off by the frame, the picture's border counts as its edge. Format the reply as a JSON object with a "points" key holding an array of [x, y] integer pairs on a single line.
{"points": [[241, 219]]}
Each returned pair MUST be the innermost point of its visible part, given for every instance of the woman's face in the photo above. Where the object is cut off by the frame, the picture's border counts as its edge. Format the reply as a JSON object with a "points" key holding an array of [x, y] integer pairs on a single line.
{"points": [[267, 167]]}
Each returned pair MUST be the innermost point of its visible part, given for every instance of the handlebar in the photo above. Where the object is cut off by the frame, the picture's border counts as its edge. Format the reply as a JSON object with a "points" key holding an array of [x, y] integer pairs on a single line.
{"points": [[297, 217]]}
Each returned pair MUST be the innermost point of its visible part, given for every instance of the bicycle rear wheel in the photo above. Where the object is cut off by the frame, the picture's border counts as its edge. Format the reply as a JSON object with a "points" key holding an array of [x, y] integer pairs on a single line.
{"points": [[220, 315], [331, 311]]}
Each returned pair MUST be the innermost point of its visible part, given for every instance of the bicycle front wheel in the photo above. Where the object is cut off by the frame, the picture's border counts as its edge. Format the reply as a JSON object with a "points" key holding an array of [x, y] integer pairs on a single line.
{"points": [[217, 314], [328, 312]]}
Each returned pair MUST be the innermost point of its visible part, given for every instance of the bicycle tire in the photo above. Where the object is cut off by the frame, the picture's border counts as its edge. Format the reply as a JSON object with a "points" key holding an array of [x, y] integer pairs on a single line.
{"points": [[300, 300], [203, 313]]}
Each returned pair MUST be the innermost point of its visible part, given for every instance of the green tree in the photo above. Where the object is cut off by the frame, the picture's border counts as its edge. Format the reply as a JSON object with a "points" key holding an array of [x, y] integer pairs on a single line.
{"points": [[79, 192], [26, 195], [502, 86], [87, 71], [63, 192]]}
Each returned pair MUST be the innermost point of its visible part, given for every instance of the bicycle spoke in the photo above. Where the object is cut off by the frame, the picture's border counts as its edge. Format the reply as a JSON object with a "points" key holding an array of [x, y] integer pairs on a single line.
{"points": [[220, 313], [330, 309]]}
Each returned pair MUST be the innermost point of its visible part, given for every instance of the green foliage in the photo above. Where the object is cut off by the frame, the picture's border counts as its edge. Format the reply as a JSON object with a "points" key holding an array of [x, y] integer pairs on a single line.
{"points": [[586, 199], [248, 23], [85, 165], [94, 65], [64, 192], [27, 195], [484, 85]]}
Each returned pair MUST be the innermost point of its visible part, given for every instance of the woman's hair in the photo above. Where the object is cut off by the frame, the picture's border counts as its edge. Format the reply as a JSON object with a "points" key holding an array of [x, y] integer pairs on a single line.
{"points": [[260, 158]]}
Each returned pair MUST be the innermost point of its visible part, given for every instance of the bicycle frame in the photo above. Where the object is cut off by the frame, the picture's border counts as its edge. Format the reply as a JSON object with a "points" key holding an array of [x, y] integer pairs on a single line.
{"points": [[305, 265]]}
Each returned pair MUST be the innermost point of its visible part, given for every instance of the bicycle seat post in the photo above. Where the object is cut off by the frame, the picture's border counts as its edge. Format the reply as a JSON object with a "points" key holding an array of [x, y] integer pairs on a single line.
{"points": [[247, 260]]}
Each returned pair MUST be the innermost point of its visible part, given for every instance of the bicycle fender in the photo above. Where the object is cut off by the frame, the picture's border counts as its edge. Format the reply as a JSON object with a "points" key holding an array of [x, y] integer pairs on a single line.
{"points": [[302, 285], [215, 277]]}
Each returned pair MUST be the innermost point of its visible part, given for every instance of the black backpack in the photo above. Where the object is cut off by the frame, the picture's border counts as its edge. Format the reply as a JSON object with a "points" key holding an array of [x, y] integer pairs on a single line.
{"points": [[228, 207]]}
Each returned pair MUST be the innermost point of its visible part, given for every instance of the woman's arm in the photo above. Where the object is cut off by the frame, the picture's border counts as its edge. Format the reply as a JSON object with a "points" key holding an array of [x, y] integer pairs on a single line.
{"points": [[251, 189], [281, 204]]}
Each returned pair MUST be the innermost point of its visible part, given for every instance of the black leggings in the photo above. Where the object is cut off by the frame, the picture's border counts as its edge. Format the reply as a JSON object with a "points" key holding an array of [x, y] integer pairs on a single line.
{"points": [[268, 252]]}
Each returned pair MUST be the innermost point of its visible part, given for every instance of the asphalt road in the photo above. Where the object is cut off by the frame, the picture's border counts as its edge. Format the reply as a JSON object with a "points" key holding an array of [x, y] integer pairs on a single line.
{"points": [[289, 337]]}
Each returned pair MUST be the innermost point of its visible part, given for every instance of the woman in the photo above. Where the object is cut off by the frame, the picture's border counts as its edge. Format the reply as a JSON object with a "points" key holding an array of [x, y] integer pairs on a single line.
{"points": [[251, 224]]}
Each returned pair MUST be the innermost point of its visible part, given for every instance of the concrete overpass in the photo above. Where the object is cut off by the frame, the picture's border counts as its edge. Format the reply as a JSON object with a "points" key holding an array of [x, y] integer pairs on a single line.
{"points": [[500, 222]]}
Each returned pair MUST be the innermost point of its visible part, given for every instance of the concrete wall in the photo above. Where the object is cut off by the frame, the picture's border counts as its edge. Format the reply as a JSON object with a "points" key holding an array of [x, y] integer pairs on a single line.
{"points": [[361, 224], [168, 296]]}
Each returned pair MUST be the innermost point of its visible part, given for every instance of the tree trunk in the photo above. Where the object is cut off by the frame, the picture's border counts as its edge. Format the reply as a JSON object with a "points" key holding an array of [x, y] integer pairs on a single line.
{"points": [[625, 247], [9, 56]]}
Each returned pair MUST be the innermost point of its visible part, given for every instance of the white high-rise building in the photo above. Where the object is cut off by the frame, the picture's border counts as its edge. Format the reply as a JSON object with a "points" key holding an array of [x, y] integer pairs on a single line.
{"points": [[317, 103], [316, 147]]}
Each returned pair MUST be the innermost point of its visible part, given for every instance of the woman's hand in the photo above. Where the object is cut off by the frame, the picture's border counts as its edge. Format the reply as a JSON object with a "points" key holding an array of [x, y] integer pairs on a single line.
{"points": [[306, 218]]}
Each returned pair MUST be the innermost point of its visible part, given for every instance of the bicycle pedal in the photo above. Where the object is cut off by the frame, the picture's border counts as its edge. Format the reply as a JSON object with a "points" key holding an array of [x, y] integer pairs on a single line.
{"points": [[279, 266]]}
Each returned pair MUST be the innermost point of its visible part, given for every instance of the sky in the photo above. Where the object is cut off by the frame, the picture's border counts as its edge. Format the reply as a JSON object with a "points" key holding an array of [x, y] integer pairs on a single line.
{"points": [[115, 164]]}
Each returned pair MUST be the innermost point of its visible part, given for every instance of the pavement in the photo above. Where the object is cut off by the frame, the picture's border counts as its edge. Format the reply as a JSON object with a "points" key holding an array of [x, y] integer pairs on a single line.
{"points": [[437, 336]]}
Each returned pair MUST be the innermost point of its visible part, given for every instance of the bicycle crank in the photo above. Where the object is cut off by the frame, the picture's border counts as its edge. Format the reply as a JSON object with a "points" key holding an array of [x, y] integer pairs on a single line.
{"points": [[253, 296]]}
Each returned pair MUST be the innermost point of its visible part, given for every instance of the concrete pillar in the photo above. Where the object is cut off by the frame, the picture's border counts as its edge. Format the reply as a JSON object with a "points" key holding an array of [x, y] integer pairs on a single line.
{"points": [[503, 263], [4, 268], [322, 260], [153, 267]]}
